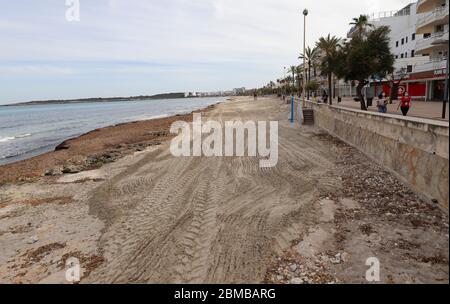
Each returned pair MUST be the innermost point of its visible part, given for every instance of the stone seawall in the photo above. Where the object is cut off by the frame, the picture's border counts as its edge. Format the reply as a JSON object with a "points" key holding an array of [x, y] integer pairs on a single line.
{"points": [[416, 149]]}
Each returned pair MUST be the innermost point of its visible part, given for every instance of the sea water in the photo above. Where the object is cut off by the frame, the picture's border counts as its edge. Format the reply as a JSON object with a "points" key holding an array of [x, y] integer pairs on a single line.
{"points": [[30, 130]]}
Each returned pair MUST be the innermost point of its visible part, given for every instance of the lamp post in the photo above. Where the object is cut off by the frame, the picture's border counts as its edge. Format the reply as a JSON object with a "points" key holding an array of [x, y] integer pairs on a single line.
{"points": [[305, 13], [444, 104]]}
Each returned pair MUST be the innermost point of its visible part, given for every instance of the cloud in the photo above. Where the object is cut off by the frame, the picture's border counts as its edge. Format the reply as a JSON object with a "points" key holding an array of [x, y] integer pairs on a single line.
{"points": [[35, 71], [234, 42]]}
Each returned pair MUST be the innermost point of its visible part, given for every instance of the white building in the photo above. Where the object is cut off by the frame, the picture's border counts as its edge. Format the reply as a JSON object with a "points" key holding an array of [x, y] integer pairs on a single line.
{"points": [[238, 91], [432, 27], [414, 31]]}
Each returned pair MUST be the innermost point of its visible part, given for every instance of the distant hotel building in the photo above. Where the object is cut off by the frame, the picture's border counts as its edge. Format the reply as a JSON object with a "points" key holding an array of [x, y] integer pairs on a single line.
{"points": [[418, 35], [239, 91]]}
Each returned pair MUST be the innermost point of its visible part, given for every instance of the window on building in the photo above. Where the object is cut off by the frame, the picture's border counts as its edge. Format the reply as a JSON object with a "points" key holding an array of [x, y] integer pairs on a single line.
{"points": [[396, 44], [403, 41], [440, 28], [409, 69], [406, 54], [402, 55], [413, 53], [396, 56], [413, 36], [427, 35], [406, 39]]}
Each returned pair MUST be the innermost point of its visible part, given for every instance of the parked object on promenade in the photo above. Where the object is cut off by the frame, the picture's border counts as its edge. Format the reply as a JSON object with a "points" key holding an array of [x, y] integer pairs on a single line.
{"points": [[382, 103], [405, 104], [324, 97]]}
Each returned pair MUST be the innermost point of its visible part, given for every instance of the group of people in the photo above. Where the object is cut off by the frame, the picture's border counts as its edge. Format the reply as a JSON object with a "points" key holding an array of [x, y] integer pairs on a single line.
{"points": [[404, 105]]}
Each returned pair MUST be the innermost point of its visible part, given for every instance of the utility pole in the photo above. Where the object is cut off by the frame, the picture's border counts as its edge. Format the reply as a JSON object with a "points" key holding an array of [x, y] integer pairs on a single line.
{"points": [[284, 80], [444, 104], [305, 13]]}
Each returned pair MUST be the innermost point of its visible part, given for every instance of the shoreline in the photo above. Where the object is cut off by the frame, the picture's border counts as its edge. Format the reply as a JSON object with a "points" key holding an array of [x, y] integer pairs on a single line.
{"points": [[95, 148]]}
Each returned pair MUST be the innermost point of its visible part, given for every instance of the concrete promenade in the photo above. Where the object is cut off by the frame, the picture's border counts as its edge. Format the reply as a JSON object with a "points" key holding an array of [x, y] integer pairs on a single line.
{"points": [[430, 109]]}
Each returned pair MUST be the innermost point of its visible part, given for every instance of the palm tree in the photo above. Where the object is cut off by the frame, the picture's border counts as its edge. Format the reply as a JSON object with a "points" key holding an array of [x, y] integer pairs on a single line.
{"points": [[288, 84], [361, 23], [293, 70], [310, 56], [271, 85], [279, 82], [328, 61], [299, 79]]}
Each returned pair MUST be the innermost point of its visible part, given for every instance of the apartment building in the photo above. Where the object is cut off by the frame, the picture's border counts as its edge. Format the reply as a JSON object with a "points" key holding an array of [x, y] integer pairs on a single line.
{"points": [[419, 42], [433, 28], [403, 43]]}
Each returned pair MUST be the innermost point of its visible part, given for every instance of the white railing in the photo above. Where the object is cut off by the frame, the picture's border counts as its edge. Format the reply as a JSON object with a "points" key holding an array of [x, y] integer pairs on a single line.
{"points": [[427, 42], [436, 14], [388, 14], [420, 2], [431, 65]]}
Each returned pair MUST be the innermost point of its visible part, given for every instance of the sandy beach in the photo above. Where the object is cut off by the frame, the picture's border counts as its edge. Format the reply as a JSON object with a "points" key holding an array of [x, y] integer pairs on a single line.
{"points": [[93, 149], [117, 200]]}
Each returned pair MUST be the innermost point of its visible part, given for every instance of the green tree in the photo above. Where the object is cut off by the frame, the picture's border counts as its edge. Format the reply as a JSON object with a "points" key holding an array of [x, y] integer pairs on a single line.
{"points": [[299, 80], [311, 57], [364, 56], [288, 82], [312, 86], [395, 78], [361, 23], [293, 70], [329, 60]]}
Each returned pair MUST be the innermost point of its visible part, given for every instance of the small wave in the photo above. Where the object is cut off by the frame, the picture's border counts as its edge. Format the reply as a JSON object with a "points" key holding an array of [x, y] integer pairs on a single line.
{"points": [[154, 117], [23, 135], [9, 138], [5, 139]]}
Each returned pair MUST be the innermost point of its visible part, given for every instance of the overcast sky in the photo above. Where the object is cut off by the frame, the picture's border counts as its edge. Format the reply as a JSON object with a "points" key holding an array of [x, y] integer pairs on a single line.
{"points": [[134, 47]]}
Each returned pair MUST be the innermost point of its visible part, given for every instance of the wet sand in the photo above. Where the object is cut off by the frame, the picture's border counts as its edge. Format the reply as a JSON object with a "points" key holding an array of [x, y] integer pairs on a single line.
{"points": [[101, 145]]}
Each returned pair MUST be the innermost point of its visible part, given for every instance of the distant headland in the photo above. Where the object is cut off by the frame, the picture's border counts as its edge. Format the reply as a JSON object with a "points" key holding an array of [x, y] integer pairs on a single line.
{"points": [[114, 99]]}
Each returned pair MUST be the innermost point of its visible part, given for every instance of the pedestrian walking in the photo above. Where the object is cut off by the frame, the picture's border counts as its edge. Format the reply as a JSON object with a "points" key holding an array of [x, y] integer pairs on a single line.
{"points": [[324, 97], [382, 103], [255, 96], [405, 104]]}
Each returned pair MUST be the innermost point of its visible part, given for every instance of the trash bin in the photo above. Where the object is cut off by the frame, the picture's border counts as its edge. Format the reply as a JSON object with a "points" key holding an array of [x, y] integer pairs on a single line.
{"points": [[369, 101]]}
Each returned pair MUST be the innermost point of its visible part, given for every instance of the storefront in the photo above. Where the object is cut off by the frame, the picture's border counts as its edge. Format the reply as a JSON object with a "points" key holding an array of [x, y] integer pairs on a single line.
{"points": [[416, 89], [428, 85]]}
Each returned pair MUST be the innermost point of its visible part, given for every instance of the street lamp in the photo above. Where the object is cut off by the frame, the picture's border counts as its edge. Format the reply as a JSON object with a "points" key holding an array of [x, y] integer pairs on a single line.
{"points": [[305, 13], [444, 104]]}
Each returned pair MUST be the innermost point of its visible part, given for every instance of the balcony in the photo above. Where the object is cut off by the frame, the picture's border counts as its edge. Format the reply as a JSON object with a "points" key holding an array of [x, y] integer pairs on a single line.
{"points": [[426, 45], [424, 6], [438, 16], [432, 65]]}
